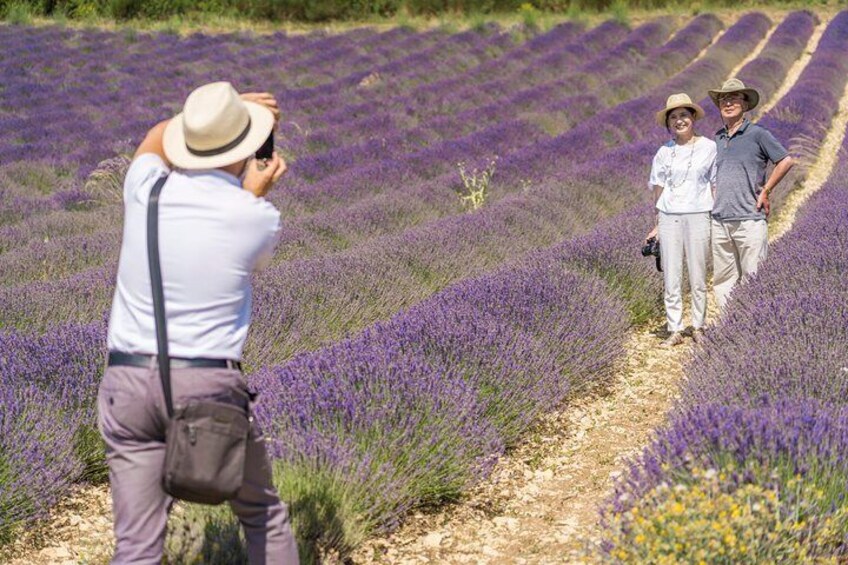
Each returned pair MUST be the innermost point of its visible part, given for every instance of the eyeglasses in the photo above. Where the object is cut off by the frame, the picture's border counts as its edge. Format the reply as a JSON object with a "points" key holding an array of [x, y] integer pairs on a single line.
{"points": [[730, 99]]}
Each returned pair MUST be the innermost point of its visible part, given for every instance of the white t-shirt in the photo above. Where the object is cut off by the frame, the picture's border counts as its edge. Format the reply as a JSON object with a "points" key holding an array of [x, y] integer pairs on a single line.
{"points": [[212, 235], [686, 174]]}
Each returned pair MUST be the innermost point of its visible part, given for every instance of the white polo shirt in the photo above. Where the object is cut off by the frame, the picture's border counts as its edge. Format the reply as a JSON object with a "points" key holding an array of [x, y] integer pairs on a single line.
{"points": [[686, 174], [212, 235]]}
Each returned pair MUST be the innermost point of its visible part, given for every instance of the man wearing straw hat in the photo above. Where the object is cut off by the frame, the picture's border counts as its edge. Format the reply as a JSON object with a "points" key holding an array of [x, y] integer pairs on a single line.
{"points": [[215, 229], [741, 207]]}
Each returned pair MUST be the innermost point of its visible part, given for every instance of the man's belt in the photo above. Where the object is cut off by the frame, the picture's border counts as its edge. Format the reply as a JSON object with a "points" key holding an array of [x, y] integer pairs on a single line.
{"points": [[139, 360]]}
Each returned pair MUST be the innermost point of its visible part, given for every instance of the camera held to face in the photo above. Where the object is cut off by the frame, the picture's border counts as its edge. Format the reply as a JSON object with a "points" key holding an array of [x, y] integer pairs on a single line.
{"points": [[267, 149], [652, 248]]}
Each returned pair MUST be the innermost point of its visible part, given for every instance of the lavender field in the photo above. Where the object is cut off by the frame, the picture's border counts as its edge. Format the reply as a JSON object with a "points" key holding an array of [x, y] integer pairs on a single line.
{"points": [[401, 340]]}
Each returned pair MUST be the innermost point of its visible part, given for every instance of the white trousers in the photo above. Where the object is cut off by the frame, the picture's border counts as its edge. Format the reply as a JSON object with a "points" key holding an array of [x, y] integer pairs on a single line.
{"points": [[684, 235], [738, 248]]}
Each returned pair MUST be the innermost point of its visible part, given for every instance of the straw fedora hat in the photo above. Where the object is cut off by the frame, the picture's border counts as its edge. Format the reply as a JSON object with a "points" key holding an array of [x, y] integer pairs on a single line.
{"points": [[736, 85], [216, 128], [680, 100]]}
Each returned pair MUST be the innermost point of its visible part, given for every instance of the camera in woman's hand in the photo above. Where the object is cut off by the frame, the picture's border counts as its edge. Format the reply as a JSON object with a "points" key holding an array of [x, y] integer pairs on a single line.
{"points": [[652, 247]]}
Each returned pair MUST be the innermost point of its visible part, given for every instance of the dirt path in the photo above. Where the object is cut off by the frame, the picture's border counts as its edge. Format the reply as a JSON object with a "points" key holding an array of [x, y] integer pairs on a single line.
{"points": [[78, 531]]}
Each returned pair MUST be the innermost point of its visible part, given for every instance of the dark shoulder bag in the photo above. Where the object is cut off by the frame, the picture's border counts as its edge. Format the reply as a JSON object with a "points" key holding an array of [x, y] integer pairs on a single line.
{"points": [[206, 440]]}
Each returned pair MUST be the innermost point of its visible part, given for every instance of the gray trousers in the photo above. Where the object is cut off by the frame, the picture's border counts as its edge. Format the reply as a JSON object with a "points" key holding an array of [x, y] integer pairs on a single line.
{"points": [[132, 419]]}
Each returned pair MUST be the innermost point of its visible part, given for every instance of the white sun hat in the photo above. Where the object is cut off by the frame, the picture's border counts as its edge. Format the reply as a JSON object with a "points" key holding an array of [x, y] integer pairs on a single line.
{"points": [[216, 128]]}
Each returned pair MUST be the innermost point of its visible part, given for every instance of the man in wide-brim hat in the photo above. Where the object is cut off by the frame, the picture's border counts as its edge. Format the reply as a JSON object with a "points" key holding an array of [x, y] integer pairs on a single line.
{"points": [[215, 228], [741, 207]]}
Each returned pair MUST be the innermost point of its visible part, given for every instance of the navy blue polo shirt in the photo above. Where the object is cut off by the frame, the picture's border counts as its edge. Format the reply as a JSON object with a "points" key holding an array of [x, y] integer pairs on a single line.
{"points": [[741, 161]]}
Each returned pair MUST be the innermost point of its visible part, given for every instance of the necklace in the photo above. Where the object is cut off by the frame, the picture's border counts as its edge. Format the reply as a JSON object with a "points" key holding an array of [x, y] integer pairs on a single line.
{"points": [[668, 169]]}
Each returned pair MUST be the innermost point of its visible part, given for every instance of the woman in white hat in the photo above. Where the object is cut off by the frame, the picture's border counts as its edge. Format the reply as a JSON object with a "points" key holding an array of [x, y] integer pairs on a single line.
{"points": [[682, 179]]}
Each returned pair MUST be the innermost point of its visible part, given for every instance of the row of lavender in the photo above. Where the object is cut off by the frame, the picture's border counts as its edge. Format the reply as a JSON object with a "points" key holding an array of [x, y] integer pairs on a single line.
{"points": [[751, 466]]}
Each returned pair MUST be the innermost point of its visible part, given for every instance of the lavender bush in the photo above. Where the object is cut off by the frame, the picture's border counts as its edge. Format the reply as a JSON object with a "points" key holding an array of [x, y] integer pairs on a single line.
{"points": [[48, 438], [37, 459], [64, 366]]}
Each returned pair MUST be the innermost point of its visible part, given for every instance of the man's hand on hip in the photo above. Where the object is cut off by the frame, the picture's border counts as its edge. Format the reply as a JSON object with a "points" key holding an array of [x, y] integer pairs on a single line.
{"points": [[763, 202], [261, 175]]}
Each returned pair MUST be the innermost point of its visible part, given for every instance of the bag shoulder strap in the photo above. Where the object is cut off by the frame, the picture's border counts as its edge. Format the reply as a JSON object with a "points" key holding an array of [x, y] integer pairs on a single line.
{"points": [[158, 292]]}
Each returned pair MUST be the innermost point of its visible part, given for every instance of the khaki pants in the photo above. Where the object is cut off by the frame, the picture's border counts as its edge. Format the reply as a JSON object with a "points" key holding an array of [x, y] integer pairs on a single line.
{"points": [[684, 235], [132, 420], [739, 246]]}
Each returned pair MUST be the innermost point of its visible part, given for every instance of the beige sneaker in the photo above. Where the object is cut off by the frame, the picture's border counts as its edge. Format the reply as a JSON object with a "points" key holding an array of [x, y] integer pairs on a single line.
{"points": [[698, 335], [676, 338]]}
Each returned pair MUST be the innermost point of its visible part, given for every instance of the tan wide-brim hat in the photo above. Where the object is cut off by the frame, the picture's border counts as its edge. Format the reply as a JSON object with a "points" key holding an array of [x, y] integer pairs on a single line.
{"points": [[680, 100], [735, 85], [216, 128]]}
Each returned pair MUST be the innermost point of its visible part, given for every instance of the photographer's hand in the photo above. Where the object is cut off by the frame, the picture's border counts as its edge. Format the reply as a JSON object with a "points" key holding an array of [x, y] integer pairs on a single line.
{"points": [[261, 175], [265, 99]]}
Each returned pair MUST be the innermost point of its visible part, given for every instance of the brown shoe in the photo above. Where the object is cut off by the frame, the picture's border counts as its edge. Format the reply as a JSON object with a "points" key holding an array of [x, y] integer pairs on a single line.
{"points": [[698, 335], [676, 338]]}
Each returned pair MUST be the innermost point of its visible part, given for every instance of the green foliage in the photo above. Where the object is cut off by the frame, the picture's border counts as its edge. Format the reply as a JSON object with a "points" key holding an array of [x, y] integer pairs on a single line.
{"points": [[5, 478], [153, 9], [318, 10], [17, 13], [478, 21], [641, 305], [575, 13], [620, 12], [204, 534], [38, 177], [529, 15], [60, 18], [90, 449], [326, 511]]}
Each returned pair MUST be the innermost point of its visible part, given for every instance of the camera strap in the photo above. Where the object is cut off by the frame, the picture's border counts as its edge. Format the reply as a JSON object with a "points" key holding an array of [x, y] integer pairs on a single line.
{"points": [[158, 292]]}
